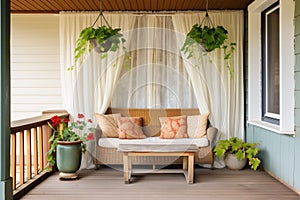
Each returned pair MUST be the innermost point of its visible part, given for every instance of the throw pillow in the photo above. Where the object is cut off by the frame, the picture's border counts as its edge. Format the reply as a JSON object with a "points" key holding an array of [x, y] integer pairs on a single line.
{"points": [[130, 128], [197, 125], [173, 127], [108, 124]]}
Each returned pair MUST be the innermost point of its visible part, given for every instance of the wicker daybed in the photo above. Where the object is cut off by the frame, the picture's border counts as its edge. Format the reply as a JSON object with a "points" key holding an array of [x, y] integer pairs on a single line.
{"points": [[151, 128]]}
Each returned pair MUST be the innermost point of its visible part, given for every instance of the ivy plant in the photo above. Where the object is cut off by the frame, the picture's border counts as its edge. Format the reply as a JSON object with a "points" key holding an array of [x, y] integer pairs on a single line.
{"points": [[241, 149], [209, 39], [106, 39]]}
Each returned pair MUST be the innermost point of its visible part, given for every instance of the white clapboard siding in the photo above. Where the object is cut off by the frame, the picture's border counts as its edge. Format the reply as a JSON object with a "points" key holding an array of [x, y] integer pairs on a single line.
{"points": [[41, 66], [35, 65], [36, 75], [33, 91]]}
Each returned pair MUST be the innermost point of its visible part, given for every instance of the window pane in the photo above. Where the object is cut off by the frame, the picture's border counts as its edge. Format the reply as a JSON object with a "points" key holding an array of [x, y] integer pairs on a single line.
{"points": [[272, 70]]}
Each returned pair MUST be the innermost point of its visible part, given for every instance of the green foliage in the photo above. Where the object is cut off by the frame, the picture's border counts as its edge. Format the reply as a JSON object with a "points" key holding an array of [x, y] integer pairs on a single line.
{"points": [[63, 130], [210, 39], [241, 149], [105, 36]]}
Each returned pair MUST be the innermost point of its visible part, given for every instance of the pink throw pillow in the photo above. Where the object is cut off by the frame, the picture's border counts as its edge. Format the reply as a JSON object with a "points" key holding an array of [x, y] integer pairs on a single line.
{"points": [[173, 127], [130, 128]]}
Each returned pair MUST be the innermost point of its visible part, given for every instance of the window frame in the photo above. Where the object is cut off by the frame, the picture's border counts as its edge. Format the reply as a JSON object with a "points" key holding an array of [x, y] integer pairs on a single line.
{"points": [[286, 65], [267, 116]]}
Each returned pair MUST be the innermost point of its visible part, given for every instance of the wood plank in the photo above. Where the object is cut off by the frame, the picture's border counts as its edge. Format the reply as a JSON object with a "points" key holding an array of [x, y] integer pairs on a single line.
{"points": [[115, 5], [71, 5], [35, 151], [209, 184], [54, 6], [147, 4], [46, 130], [28, 153], [158, 154], [40, 148], [21, 154], [190, 178], [122, 5], [153, 5], [107, 6], [126, 168], [160, 5], [13, 163], [185, 163]]}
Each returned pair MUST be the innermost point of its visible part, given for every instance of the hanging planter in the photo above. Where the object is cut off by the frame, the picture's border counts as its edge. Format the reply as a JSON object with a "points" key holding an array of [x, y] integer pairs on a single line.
{"points": [[101, 47], [102, 40], [208, 38]]}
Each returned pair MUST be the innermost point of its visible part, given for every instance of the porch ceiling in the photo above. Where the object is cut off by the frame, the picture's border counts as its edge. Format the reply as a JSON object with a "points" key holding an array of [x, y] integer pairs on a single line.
{"points": [[55, 6]]}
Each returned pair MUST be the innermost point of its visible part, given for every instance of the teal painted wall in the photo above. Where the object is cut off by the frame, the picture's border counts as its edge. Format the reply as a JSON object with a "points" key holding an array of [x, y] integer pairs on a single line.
{"points": [[280, 154]]}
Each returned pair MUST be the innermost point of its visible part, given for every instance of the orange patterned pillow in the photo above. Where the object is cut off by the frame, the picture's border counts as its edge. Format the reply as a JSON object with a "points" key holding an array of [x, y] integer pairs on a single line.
{"points": [[173, 127], [130, 128], [108, 124]]}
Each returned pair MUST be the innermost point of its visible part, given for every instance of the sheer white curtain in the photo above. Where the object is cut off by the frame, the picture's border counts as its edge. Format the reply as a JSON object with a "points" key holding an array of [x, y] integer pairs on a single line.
{"points": [[88, 88], [215, 91], [160, 76]]}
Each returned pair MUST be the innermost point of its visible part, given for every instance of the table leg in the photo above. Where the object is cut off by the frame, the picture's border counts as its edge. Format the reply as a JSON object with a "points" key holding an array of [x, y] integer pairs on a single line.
{"points": [[185, 163], [126, 168], [191, 168]]}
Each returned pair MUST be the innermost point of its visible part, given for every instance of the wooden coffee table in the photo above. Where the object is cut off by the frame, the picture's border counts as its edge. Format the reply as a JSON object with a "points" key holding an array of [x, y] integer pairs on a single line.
{"points": [[185, 151]]}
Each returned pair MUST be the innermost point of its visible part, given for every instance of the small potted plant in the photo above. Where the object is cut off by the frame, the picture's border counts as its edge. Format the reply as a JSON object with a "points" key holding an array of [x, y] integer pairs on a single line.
{"points": [[237, 152], [102, 39], [68, 145], [208, 39]]}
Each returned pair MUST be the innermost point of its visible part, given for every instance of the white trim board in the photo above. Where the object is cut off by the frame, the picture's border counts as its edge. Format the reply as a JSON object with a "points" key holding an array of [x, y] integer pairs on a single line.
{"points": [[287, 81]]}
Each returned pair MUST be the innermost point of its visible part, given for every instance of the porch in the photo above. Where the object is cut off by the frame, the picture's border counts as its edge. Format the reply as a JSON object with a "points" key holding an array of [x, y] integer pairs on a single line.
{"points": [[107, 183]]}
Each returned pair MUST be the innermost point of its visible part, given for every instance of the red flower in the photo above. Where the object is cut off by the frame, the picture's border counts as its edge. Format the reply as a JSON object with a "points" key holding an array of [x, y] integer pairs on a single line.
{"points": [[80, 115], [66, 120], [55, 120], [90, 136], [78, 122], [90, 121]]}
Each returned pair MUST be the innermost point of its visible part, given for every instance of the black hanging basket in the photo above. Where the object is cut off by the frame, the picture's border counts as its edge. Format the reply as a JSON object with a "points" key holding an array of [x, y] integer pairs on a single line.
{"points": [[102, 47]]}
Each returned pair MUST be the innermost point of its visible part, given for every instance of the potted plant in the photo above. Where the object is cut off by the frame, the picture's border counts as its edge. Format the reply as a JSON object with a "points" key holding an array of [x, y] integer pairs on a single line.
{"points": [[240, 151], [208, 39], [102, 39], [68, 145]]}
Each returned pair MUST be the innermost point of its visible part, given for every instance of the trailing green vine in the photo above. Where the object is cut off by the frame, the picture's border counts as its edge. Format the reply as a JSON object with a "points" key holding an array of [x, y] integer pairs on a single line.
{"points": [[103, 38], [209, 39]]}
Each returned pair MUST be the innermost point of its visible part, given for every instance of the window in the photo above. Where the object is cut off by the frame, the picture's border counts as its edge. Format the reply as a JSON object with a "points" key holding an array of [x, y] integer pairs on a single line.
{"points": [[270, 65]]}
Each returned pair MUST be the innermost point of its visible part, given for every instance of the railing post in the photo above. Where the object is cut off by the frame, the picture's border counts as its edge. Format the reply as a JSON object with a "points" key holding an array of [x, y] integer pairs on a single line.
{"points": [[5, 179], [46, 145]]}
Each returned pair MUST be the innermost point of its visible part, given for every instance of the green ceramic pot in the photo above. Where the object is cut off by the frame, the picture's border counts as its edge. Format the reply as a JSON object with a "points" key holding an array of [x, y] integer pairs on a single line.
{"points": [[68, 156]]}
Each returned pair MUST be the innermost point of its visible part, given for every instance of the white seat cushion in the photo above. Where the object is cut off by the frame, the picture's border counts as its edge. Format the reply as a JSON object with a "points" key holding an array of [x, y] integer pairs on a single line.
{"points": [[114, 142]]}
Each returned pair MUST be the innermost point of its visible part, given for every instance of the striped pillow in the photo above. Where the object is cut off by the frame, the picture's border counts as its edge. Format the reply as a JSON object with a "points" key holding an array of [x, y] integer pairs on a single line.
{"points": [[108, 124]]}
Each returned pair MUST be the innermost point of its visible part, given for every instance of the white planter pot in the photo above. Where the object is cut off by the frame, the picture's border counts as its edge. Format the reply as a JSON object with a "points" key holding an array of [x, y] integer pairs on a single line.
{"points": [[233, 163]]}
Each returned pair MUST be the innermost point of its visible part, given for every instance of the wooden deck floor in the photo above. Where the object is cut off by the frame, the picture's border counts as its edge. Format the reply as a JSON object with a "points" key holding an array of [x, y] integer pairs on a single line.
{"points": [[108, 183]]}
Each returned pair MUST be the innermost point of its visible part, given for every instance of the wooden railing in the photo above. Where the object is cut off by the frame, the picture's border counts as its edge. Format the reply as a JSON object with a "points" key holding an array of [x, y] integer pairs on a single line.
{"points": [[29, 144]]}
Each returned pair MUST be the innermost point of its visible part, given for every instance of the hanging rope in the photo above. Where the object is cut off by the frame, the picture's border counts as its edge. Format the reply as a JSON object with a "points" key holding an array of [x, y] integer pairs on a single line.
{"points": [[101, 17], [206, 20]]}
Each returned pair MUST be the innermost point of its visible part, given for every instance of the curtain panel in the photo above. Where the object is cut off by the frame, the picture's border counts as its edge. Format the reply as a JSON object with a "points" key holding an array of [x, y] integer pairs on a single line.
{"points": [[160, 76]]}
